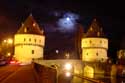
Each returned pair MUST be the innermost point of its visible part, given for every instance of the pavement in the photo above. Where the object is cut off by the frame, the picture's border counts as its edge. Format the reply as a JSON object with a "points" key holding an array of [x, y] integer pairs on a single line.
{"points": [[26, 74]]}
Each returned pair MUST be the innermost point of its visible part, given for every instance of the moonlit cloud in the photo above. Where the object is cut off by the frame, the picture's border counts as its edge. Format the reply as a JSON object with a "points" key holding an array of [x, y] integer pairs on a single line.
{"points": [[68, 22]]}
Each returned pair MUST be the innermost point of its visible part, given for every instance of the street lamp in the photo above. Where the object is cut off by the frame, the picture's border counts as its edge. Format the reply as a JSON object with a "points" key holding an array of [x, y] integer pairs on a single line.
{"points": [[10, 41], [68, 66], [7, 47], [68, 69], [68, 74]]}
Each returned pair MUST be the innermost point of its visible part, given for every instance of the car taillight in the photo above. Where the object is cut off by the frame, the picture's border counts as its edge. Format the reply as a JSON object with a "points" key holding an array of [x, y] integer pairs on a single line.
{"points": [[12, 62]]}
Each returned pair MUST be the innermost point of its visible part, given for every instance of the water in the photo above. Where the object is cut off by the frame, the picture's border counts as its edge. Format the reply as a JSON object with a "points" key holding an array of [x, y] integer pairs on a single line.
{"points": [[104, 80]]}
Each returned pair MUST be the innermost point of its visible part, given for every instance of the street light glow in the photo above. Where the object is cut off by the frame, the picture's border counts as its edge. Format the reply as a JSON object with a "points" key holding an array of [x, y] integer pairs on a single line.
{"points": [[68, 74], [10, 41], [68, 66]]}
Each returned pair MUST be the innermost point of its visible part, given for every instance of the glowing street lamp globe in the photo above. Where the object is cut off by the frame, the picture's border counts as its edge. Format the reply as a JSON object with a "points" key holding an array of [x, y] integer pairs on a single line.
{"points": [[68, 74], [68, 66], [10, 41]]}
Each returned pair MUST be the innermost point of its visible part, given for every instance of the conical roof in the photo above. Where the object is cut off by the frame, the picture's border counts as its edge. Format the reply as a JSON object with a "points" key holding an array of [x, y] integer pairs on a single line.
{"points": [[95, 30], [30, 26]]}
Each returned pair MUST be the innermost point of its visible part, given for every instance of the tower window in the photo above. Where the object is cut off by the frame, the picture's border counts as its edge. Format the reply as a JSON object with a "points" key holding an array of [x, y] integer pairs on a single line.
{"points": [[97, 54], [32, 51], [34, 24], [86, 53], [90, 41], [25, 29], [24, 39], [102, 59], [100, 41], [29, 39], [35, 40]]}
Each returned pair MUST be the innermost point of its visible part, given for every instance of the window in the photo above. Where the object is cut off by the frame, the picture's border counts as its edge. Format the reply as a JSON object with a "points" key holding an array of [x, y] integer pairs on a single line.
{"points": [[90, 41], [102, 59], [97, 54], [25, 29], [86, 53], [29, 39], [32, 51], [24, 39], [34, 24], [35, 40], [100, 41]]}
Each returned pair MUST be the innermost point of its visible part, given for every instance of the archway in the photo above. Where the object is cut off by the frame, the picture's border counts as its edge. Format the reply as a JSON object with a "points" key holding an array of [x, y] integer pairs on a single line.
{"points": [[88, 71]]}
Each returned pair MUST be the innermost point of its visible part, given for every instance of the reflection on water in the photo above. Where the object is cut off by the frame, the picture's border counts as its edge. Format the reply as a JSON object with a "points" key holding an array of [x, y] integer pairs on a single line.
{"points": [[109, 80], [104, 79]]}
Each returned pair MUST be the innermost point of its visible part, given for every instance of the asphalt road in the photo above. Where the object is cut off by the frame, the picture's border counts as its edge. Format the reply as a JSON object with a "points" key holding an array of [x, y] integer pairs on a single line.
{"points": [[17, 74]]}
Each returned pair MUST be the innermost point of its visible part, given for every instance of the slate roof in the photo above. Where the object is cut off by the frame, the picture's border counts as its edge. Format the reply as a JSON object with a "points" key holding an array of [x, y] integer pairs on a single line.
{"points": [[30, 26], [95, 30]]}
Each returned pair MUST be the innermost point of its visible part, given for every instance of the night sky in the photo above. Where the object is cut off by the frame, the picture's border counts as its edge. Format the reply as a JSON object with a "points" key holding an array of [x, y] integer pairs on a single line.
{"points": [[47, 12]]}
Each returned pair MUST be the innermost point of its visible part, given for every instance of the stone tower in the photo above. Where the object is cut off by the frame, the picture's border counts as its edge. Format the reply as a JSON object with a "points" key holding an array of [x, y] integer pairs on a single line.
{"points": [[94, 44], [29, 41]]}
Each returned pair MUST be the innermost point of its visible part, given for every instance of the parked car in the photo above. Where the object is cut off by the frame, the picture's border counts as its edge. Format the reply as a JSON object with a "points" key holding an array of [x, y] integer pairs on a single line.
{"points": [[3, 62]]}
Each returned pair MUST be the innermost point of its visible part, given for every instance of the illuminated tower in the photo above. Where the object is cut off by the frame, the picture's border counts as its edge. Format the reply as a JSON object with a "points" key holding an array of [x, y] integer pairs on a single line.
{"points": [[94, 44], [29, 41]]}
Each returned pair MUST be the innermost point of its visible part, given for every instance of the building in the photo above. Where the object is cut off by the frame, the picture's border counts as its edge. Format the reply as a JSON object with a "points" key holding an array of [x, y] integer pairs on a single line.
{"points": [[94, 50], [29, 44], [29, 41], [94, 44]]}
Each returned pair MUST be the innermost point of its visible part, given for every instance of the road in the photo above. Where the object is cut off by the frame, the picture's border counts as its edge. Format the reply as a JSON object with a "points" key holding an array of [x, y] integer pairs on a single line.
{"points": [[17, 74]]}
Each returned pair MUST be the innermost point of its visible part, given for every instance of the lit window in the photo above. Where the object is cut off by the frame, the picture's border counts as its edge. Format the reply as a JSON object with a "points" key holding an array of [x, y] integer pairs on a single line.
{"points": [[25, 29], [98, 33], [34, 24]]}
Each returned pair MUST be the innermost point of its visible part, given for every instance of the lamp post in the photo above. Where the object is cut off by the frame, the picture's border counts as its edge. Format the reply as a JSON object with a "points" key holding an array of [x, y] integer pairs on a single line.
{"points": [[7, 47], [68, 71], [55, 66], [65, 71]]}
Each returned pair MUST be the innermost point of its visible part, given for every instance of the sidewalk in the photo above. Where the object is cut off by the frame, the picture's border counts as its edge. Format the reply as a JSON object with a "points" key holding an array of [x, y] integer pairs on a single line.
{"points": [[25, 74]]}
